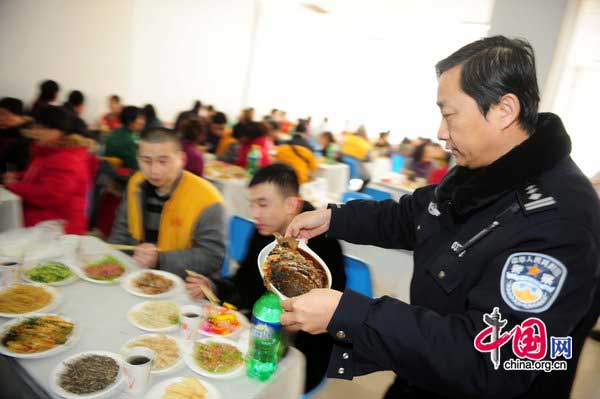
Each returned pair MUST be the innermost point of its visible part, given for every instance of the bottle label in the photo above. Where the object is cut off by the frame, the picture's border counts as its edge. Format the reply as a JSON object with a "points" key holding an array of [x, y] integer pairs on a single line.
{"points": [[264, 330]]}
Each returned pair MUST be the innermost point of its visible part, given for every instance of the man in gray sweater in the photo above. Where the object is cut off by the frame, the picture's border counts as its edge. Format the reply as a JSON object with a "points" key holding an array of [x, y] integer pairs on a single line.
{"points": [[174, 218]]}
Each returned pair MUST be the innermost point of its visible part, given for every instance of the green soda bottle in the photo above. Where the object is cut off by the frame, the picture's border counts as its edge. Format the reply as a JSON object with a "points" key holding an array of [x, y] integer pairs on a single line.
{"points": [[265, 337], [254, 159]]}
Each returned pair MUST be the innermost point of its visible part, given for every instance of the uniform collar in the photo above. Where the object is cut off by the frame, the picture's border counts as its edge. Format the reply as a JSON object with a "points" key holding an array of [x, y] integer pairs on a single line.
{"points": [[472, 189]]}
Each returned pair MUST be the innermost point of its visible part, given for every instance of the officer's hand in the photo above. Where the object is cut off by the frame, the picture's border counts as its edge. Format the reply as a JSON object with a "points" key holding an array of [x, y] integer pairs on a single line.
{"points": [[310, 312], [309, 224]]}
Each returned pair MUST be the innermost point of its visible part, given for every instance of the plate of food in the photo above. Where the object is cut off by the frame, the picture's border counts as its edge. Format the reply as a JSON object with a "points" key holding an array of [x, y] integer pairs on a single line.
{"points": [[37, 336], [169, 352], [106, 270], [50, 272], [183, 388], [152, 284], [290, 268], [220, 321], [216, 357], [87, 375], [19, 300], [155, 316]]}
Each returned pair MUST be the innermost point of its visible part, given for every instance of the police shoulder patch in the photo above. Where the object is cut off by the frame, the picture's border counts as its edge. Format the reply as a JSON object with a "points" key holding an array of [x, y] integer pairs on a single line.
{"points": [[530, 282]]}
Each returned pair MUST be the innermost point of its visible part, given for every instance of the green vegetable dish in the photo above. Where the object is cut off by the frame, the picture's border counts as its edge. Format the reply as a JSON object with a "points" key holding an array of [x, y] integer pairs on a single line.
{"points": [[50, 272]]}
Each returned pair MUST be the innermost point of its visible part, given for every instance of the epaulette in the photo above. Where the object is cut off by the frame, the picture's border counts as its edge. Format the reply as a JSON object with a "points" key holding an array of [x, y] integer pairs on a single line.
{"points": [[532, 198]]}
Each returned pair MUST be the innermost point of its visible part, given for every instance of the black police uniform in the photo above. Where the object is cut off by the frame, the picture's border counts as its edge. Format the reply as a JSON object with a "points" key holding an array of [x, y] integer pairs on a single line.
{"points": [[521, 234]]}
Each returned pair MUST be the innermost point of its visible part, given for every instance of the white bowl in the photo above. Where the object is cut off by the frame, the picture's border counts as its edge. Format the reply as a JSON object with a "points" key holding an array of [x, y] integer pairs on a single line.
{"points": [[264, 254], [108, 391], [71, 339], [190, 361], [159, 390]]}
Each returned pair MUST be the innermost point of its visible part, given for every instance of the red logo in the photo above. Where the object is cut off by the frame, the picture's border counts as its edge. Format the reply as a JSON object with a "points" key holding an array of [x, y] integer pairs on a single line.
{"points": [[529, 338]]}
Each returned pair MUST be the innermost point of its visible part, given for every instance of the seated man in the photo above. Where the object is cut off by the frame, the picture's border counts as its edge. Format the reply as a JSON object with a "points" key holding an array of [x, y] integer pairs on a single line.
{"points": [[175, 217], [274, 200]]}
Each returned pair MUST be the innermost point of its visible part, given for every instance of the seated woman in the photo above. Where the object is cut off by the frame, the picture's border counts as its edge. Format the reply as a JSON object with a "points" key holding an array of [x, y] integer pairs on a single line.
{"points": [[357, 147], [329, 148], [193, 133], [250, 134], [56, 182], [298, 157]]}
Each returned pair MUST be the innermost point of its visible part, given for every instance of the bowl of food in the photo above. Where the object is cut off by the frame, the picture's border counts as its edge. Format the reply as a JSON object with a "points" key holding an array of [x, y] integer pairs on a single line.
{"points": [[49, 272], [290, 268], [183, 387], [106, 270], [19, 300], [152, 284], [87, 375], [215, 357], [220, 321], [169, 351], [37, 336], [155, 316]]}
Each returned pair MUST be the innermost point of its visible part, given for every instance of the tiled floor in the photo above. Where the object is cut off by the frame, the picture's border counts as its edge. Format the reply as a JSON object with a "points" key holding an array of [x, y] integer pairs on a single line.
{"points": [[373, 386]]}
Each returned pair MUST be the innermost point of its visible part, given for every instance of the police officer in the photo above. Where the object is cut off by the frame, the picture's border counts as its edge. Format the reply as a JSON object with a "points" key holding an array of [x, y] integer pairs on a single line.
{"points": [[506, 248]]}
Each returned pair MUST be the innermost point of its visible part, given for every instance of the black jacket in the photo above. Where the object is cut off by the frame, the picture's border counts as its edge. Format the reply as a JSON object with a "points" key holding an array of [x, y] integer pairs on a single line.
{"points": [[245, 287], [472, 236]]}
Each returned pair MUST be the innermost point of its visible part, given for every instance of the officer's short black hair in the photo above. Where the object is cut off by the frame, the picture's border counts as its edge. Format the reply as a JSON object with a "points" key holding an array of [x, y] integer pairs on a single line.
{"points": [[129, 114], [160, 135], [279, 174], [76, 98], [495, 66]]}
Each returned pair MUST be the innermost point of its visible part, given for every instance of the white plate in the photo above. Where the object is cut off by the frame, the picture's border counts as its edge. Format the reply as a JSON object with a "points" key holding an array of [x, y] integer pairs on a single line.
{"points": [[67, 281], [264, 254], [245, 324], [54, 302], [188, 357], [178, 364], [80, 271], [108, 391], [137, 307], [71, 339], [160, 389], [128, 285]]}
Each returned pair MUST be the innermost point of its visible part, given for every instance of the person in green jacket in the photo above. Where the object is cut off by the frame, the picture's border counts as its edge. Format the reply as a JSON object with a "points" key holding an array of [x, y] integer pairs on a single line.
{"points": [[122, 142]]}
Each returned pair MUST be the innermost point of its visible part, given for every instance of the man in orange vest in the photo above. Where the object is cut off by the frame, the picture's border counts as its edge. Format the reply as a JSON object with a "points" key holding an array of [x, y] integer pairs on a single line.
{"points": [[175, 218]]}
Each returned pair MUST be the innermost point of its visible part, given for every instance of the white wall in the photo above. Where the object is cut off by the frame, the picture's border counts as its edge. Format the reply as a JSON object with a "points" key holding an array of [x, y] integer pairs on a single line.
{"points": [[538, 21], [168, 53], [83, 45]]}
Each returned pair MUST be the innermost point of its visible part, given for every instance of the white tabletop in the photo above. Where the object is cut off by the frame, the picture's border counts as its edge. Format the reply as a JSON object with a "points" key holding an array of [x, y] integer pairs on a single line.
{"points": [[100, 311], [337, 176]]}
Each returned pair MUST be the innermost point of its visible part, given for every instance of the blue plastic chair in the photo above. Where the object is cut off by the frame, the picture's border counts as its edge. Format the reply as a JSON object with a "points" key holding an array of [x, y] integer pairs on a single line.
{"points": [[353, 163], [240, 232], [377, 195], [351, 195], [358, 275], [398, 162]]}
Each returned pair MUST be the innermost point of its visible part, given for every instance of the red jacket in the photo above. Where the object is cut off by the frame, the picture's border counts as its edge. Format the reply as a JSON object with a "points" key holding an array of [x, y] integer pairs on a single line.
{"points": [[56, 183], [265, 143]]}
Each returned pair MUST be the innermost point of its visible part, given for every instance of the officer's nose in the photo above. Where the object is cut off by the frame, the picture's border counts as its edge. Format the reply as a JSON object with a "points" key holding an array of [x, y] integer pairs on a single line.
{"points": [[443, 133]]}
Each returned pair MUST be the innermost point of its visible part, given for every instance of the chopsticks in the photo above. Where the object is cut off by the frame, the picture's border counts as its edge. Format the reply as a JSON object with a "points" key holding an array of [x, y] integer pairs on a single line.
{"points": [[122, 247], [205, 290]]}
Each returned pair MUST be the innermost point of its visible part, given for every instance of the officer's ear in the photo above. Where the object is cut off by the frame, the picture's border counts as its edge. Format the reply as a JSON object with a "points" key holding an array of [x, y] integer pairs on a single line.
{"points": [[506, 112]]}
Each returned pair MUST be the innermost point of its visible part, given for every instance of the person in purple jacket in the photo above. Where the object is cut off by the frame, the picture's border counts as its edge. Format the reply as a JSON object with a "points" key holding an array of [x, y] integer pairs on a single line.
{"points": [[193, 133]]}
